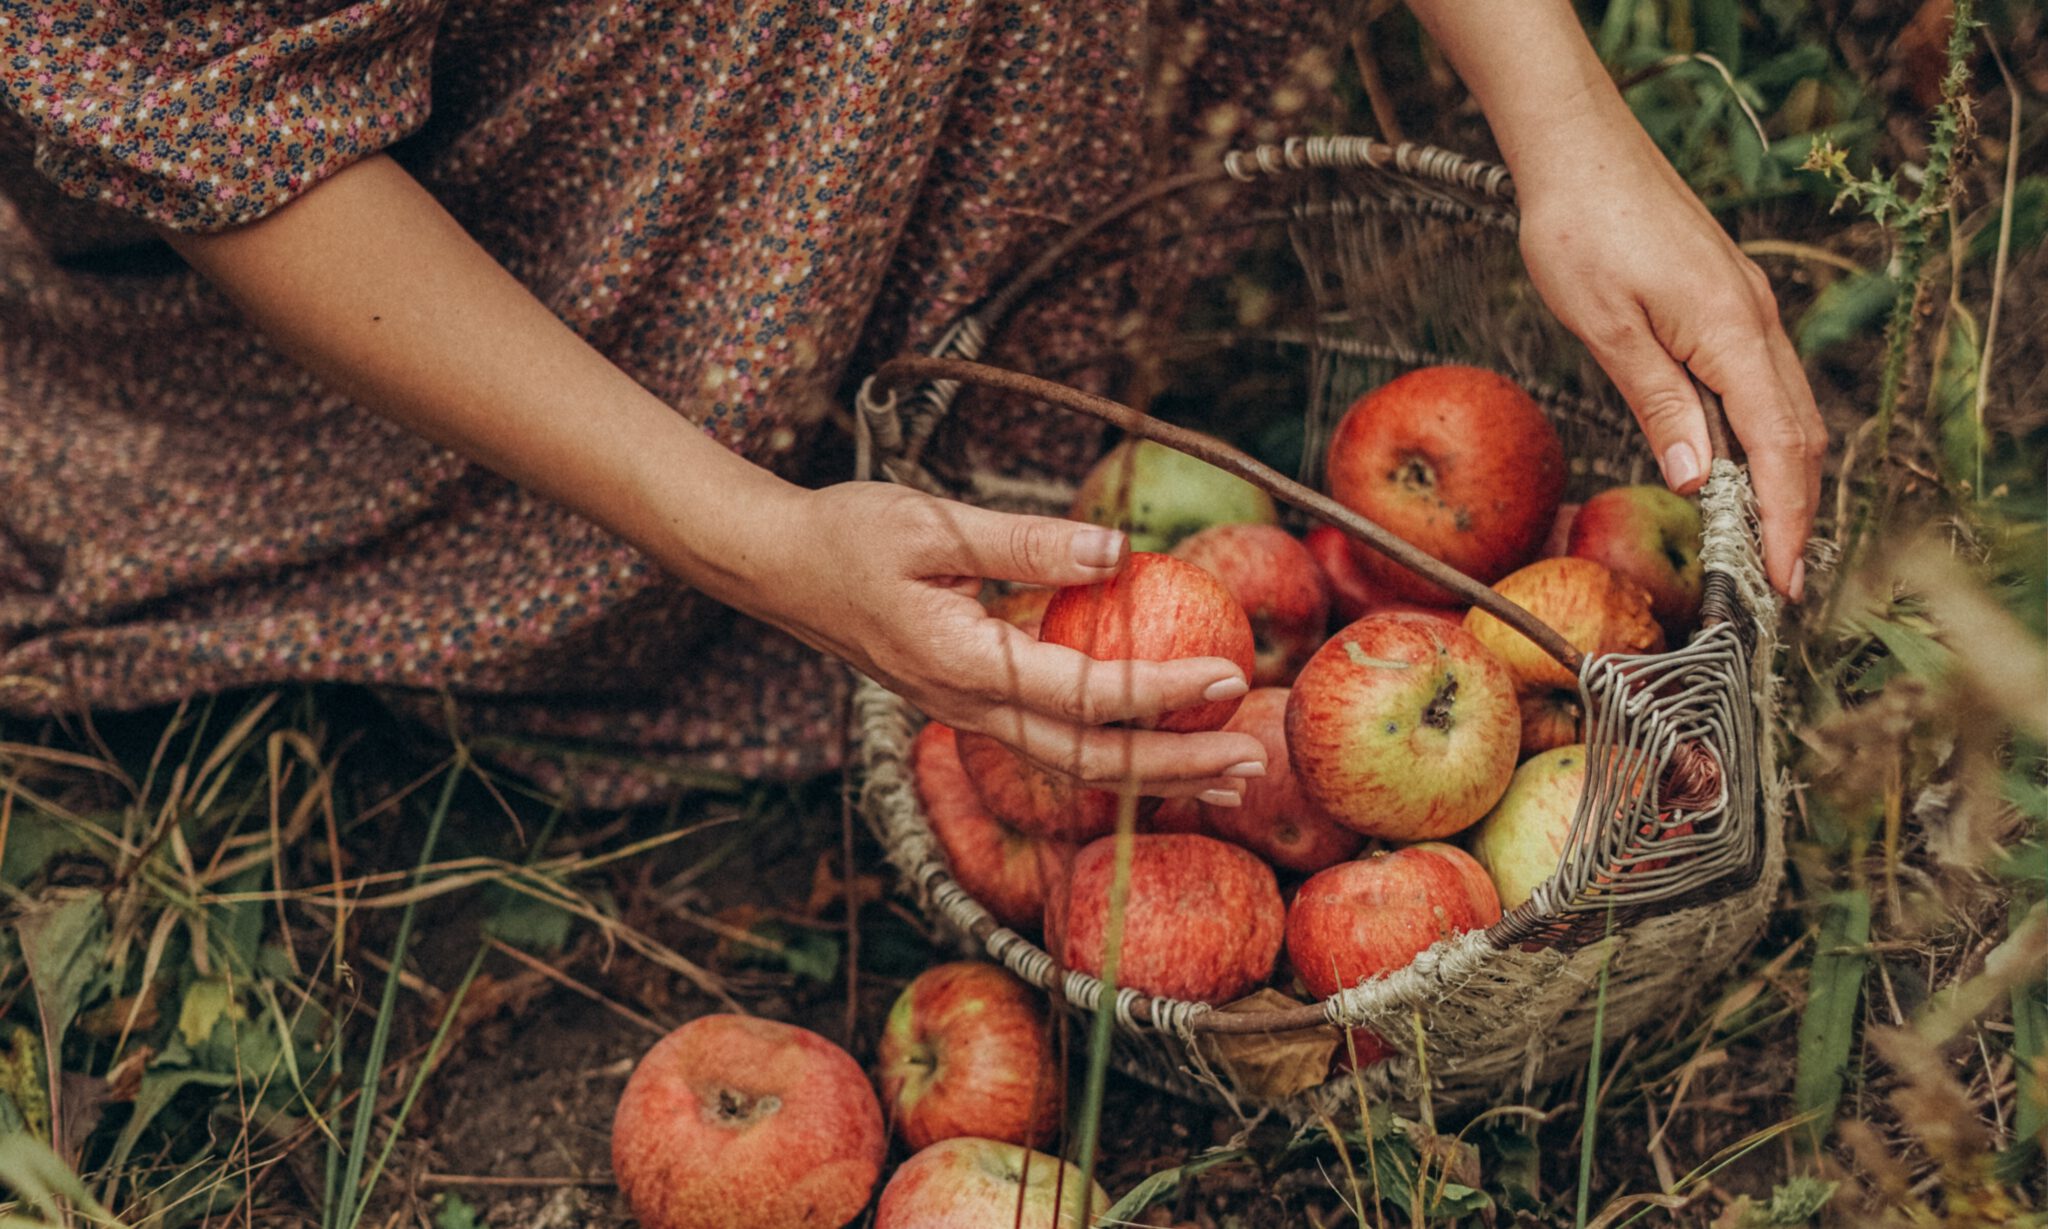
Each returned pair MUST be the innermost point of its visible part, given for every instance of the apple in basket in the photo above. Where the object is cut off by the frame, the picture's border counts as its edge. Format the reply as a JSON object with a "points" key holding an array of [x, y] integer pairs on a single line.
{"points": [[1403, 727], [1275, 579], [997, 865], [1021, 607], [1353, 594], [1360, 919], [966, 1051], [969, 1183], [1160, 495], [1275, 819], [1455, 460], [1597, 611], [1551, 718], [1035, 800], [1202, 921], [730, 1122], [1521, 841], [1649, 535]]}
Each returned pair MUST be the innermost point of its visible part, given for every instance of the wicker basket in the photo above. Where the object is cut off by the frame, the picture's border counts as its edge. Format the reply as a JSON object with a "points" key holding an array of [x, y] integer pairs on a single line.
{"points": [[1410, 260]]}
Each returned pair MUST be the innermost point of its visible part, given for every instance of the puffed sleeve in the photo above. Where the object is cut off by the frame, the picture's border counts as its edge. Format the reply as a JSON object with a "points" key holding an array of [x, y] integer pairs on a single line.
{"points": [[203, 116]]}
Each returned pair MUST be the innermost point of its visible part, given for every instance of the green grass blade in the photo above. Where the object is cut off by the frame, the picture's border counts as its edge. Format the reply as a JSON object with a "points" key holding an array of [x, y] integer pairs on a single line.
{"points": [[1589, 1124], [1102, 1028], [1827, 1031]]}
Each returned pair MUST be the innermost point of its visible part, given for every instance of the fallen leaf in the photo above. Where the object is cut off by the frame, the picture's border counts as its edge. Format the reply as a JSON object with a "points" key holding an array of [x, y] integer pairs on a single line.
{"points": [[828, 890], [1272, 1064]]}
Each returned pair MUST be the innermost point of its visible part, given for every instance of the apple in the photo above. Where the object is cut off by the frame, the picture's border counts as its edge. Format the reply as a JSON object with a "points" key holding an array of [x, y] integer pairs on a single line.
{"points": [[1276, 820], [1160, 495], [966, 1051], [1521, 840], [1177, 814], [1276, 580], [1353, 594], [1021, 607], [1455, 460], [996, 864], [1202, 919], [1597, 611], [1035, 800], [730, 1122], [1550, 718], [1357, 920], [1649, 535], [1157, 608], [968, 1183], [1404, 727], [1560, 539]]}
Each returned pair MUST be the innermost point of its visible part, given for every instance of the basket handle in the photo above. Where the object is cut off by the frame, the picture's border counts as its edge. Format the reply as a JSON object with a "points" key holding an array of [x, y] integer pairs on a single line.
{"points": [[911, 369]]}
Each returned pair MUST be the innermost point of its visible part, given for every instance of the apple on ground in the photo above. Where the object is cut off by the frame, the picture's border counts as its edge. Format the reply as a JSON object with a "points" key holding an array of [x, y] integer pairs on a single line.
{"points": [[1158, 608], [730, 1122], [1457, 461], [966, 1051], [1353, 594], [1649, 535], [969, 1183], [1597, 611], [1276, 820], [1202, 921], [1403, 727], [1551, 718], [1521, 841], [1275, 579], [1160, 495], [996, 864], [1360, 919]]}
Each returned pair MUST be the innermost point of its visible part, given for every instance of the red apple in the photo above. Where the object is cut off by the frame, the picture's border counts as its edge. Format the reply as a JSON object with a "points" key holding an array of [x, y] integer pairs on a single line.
{"points": [[1353, 594], [1202, 920], [1559, 541], [1521, 840], [1360, 919], [1276, 820], [997, 865], [1277, 582], [1455, 460], [966, 1052], [1177, 815], [1650, 535], [1035, 801], [1550, 718], [1403, 727], [731, 1122], [1597, 611], [1157, 608], [972, 1183], [1160, 495]]}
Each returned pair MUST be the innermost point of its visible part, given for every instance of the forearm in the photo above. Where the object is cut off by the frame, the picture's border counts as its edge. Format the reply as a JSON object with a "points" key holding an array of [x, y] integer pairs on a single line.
{"points": [[372, 285]]}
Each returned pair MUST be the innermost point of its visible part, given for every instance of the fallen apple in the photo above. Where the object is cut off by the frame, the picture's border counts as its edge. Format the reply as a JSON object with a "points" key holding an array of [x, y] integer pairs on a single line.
{"points": [[996, 864], [731, 1122], [1591, 607], [1649, 535], [1276, 581], [969, 1183], [966, 1051], [1276, 820], [1160, 495]]}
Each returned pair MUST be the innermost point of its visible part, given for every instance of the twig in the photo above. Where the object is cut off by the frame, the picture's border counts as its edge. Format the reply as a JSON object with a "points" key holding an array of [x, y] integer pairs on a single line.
{"points": [[1800, 251], [511, 1181], [567, 982], [911, 369], [2012, 171]]}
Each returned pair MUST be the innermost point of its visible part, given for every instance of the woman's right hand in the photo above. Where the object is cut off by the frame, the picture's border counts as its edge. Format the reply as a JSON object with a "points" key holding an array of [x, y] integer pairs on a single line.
{"points": [[886, 578]]}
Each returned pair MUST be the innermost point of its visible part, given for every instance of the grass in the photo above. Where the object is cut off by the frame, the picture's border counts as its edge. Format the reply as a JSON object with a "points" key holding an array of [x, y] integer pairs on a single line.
{"points": [[251, 948]]}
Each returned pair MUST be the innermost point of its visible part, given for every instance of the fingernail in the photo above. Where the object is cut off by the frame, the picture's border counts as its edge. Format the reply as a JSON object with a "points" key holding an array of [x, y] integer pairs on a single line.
{"points": [[1098, 548], [1250, 768], [1798, 585], [1221, 797], [1681, 465], [1226, 689]]}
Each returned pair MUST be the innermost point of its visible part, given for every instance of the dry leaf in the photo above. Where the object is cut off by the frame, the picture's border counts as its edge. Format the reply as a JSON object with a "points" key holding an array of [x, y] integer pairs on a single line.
{"points": [[828, 890], [1272, 1064]]}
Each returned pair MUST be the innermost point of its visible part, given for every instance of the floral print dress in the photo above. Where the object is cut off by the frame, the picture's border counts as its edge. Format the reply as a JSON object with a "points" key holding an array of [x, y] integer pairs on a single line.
{"points": [[743, 205]]}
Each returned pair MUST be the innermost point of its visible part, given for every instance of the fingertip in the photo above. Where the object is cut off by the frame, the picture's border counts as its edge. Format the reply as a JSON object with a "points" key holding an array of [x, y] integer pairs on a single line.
{"points": [[1683, 471], [1098, 549]]}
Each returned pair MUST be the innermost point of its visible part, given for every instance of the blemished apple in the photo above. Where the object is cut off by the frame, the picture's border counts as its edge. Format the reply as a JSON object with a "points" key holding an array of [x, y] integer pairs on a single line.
{"points": [[966, 1051], [1157, 608], [1455, 460], [1650, 535], [1353, 594], [1551, 718], [1357, 920], [1275, 579], [1597, 611], [1159, 495], [1521, 840], [969, 1183], [1276, 820], [996, 864], [1034, 800], [1202, 920], [731, 1122], [1403, 727]]}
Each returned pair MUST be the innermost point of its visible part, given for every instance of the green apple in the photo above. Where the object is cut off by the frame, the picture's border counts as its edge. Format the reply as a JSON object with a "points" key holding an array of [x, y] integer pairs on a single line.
{"points": [[1521, 841], [1159, 495]]}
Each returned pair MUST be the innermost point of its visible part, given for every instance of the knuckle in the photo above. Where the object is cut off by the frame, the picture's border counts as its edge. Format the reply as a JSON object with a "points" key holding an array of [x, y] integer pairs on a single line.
{"points": [[1664, 411], [1032, 544], [1758, 281]]}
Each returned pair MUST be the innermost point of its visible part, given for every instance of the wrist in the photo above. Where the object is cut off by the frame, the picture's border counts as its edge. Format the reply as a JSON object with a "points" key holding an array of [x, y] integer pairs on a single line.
{"points": [[711, 517]]}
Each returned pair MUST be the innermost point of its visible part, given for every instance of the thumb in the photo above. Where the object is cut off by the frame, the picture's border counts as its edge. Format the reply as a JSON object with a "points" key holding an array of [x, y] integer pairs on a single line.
{"points": [[1660, 392], [1036, 550]]}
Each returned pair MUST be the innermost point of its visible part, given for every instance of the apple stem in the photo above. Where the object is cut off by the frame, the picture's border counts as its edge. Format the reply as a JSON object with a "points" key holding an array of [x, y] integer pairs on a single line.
{"points": [[915, 368], [1437, 713]]}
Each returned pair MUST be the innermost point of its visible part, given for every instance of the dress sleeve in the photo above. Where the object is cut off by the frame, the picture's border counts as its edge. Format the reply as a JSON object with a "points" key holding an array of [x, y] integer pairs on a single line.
{"points": [[204, 116]]}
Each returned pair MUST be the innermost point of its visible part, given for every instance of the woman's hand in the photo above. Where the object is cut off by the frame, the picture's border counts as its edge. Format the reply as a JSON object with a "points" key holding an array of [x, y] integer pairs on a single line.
{"points": [[885, 578]]}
